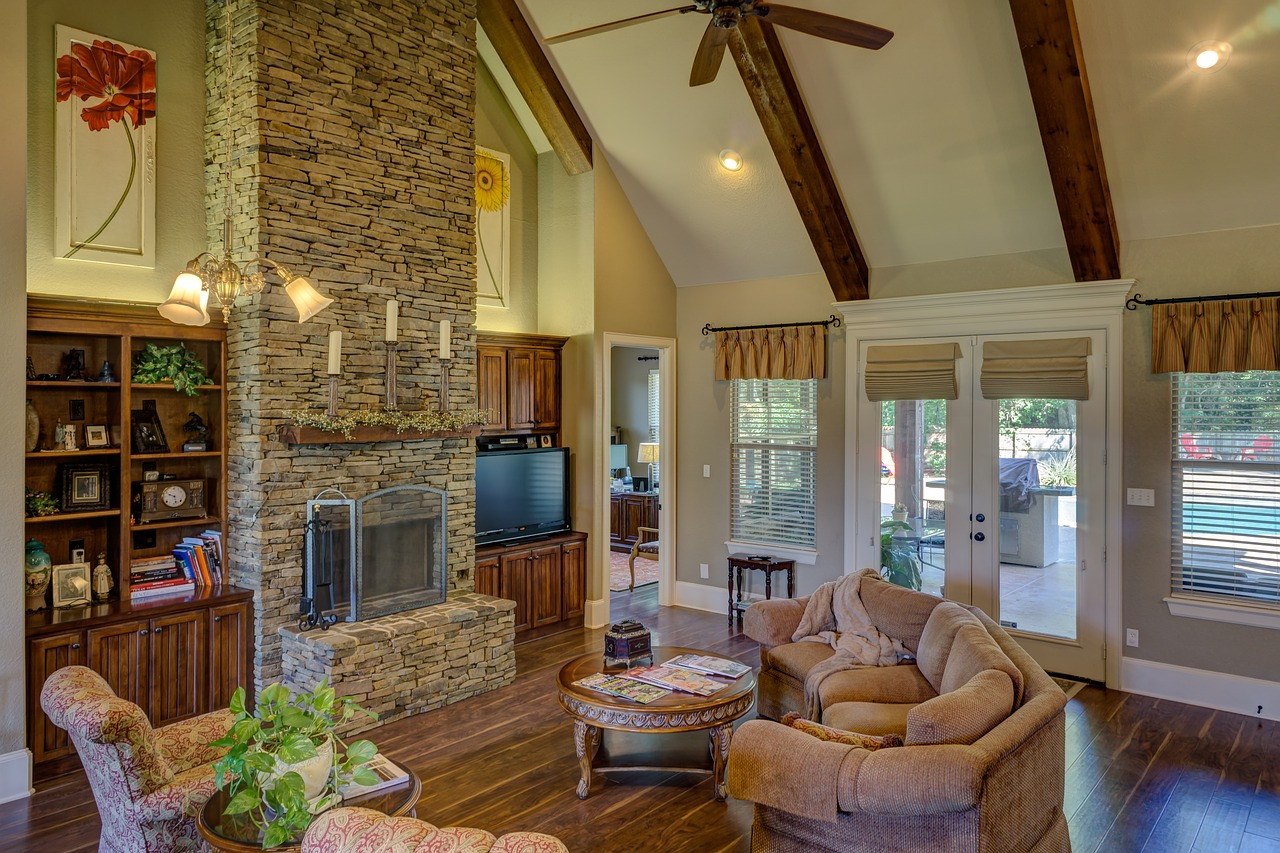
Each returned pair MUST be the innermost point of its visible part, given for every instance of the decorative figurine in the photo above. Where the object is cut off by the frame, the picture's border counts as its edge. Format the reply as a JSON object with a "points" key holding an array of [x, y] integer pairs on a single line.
{"points": [[31, 370], [106, 374], [59, 434], [102, 580], [197, 434]]}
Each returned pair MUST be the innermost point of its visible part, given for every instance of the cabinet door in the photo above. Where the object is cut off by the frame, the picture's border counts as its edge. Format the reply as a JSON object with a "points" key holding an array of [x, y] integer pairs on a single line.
{"points": [[573, 580], [545, 583], [633, 517], [46, 654], [179, 661], [513, 583], [229, 660], [120, 653], [487, 576], [616, 532], [520, 389], [491, 393], [546, 389]]}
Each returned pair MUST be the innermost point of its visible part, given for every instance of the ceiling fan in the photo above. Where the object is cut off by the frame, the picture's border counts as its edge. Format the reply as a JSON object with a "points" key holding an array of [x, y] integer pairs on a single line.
{"points": [[726, 14]]}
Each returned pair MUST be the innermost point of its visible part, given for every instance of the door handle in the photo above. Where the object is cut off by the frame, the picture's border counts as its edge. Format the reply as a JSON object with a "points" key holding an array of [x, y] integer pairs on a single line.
{"points": [[217, 619], [75, 645], [155, 631], [980, 536], [142, 633], [981, 517]]}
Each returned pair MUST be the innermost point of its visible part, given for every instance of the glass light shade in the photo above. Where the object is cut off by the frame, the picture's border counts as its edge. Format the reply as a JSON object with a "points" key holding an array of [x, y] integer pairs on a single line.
{"points": [[306, 299], [648, 452], [187, 302]]}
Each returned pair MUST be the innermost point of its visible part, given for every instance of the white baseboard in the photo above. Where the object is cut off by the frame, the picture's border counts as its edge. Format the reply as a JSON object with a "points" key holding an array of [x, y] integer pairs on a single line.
{"points": [[15, 775], [713, 599], [1234, 693], [597, 612]]}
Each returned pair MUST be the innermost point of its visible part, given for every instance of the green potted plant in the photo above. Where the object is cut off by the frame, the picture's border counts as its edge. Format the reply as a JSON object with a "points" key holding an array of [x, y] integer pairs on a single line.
{"points": [[285, 760], [176, 363], [898, 561]]}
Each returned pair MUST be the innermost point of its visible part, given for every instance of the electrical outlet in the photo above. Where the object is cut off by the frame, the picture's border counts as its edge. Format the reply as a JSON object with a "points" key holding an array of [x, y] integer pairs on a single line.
{"points": [[1142, 497], [704, 571], [1131, 637], [706, 470]]}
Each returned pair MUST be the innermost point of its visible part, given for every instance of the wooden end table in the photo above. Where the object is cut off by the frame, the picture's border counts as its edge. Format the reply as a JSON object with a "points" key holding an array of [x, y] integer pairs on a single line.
{"points": [[676, 712], [237, 834], [761, 563]]}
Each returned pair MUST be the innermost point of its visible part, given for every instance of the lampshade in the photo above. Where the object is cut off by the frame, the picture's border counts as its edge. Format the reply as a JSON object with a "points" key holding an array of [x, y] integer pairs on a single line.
{"points": [[306, 299], [186, 302], [648, 452]]}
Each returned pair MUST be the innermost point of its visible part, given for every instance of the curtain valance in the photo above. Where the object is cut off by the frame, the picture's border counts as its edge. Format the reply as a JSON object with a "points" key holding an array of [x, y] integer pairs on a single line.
{"points": [[775, 352], [1215, 336], [912, 372]]}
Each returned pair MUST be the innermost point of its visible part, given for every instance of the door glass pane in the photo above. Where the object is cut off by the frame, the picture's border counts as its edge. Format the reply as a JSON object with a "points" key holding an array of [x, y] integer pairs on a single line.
{"points": [[1038, 571], [913, 473]]}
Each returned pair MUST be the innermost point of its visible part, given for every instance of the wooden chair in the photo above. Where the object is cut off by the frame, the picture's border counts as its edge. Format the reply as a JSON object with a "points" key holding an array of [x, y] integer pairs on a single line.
{"points": [[646, 545]]}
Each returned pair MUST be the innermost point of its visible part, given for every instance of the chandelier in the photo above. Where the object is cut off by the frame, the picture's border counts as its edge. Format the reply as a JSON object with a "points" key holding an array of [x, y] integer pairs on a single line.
{"points": [[205, 274]]}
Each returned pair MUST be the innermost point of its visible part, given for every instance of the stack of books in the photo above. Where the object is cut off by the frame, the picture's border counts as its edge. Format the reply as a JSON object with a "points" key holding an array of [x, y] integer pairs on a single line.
{"points": [[195, 563]]}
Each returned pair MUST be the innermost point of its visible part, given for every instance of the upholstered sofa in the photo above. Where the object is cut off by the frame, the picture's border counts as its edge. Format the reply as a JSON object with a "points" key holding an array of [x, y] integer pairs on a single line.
{"points": [[351, 830], [982, 767]]}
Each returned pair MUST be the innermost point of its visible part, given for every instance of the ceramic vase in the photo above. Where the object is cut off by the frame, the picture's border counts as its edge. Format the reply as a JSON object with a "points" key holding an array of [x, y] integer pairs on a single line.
{"points": [[39, 569], [314, 771], [33, 427]]}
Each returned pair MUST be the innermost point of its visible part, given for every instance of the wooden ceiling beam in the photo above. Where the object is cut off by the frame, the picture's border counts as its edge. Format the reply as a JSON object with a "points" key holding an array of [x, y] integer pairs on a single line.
{"points": [[521, 53], [1050, 45], [761, 61]]}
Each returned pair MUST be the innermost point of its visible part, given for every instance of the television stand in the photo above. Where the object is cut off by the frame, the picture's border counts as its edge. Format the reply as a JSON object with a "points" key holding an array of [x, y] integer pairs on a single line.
{"points": [[546, 577]]}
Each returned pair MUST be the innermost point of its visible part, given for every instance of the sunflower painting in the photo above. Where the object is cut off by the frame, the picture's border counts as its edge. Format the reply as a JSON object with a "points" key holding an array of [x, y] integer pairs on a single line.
{"points": [[493, 227], [105, 150]]}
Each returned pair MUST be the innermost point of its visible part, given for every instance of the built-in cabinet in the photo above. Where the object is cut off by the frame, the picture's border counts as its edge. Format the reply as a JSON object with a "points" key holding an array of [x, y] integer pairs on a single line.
{"points": [[547, 579], [628, 512], [518, 382]]}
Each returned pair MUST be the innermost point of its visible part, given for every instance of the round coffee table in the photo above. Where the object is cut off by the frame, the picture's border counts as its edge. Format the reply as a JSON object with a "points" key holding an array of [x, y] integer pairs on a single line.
{"points": [[237, 834], [676, 712]]}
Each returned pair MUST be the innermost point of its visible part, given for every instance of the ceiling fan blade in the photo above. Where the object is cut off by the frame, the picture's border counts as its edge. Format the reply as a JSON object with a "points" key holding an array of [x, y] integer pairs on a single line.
{"points": [[824, 26], [617, 25], [710, 55]]}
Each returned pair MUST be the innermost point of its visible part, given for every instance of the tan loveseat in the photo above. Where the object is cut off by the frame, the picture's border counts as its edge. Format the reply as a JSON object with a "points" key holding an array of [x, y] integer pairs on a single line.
{"points": [[983, 765]]}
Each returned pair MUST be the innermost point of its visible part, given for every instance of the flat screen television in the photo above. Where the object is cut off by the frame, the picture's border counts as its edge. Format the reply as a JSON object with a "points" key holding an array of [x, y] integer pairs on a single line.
{"points": [[521, 494]]}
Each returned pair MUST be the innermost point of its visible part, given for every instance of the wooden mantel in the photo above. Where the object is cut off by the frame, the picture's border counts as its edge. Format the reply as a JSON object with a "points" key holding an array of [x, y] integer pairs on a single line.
{"points": [[367, 435]]}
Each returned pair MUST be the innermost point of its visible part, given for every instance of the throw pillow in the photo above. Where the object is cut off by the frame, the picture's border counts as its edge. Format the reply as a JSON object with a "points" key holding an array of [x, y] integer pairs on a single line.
{"points": [[827, 733]]}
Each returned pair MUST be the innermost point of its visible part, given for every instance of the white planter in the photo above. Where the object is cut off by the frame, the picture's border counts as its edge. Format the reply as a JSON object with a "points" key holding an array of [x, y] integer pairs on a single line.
{"points": [[314, 771]]}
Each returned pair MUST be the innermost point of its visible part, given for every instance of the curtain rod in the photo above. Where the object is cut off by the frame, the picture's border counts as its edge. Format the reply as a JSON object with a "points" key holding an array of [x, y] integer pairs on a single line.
{"points": [[1134, 301], [832, 321]]}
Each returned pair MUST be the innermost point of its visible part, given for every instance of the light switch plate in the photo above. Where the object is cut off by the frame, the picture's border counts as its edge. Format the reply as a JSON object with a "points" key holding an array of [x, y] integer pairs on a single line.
{"points": [[706, 470], [1142, 497]]}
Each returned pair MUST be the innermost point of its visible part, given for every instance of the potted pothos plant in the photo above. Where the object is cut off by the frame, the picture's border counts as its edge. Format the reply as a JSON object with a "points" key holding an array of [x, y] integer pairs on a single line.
{"points": [[175, 363], [286, 762]]}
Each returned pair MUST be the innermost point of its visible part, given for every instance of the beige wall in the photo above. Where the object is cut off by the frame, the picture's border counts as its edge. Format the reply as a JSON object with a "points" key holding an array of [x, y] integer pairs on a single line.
{"points": [[629, 403], [174, 30]]}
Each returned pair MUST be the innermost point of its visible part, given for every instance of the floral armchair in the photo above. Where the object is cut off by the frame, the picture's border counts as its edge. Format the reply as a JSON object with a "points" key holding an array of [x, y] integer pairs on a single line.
{"points": [[149, 783], [350, 830]]}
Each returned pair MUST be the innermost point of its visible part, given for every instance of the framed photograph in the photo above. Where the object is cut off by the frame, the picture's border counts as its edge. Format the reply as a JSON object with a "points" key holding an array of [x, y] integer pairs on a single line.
{"points": [[76, 409], [531, 441], [95, 435], [71, 585], [85, 486], [545, 441], [639, 484], [148, 435]]}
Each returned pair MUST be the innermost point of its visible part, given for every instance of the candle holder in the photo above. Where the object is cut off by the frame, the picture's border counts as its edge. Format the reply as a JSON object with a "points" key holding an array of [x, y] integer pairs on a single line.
{"points": [[391, 405], [444, 385], [333, 396]]}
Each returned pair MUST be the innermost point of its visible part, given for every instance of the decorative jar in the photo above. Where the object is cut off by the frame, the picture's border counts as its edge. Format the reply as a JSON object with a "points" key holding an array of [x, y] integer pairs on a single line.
{"points": [[38, 571]]}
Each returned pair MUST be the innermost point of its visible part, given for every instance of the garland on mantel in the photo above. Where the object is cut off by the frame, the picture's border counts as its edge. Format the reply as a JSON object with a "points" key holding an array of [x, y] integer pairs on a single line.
{"points": [[421, 421]]}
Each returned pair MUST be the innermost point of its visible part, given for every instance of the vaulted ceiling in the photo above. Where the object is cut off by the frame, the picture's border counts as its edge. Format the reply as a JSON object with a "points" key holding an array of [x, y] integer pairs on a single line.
{"points": [[932, 141]]}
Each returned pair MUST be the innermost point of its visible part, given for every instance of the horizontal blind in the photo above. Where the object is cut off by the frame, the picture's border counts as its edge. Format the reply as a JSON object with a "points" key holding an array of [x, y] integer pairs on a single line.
{"points": [[1226, 486], [653, 416], [773, 426]]}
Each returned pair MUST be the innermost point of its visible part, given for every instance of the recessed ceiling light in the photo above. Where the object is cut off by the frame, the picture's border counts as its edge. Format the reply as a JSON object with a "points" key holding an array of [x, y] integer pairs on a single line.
{"points": [[731, 160], [1209, 55]]}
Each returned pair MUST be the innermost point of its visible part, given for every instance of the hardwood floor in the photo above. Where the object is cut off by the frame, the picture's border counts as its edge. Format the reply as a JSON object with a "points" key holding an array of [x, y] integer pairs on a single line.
{"points": [[1142, 774]]}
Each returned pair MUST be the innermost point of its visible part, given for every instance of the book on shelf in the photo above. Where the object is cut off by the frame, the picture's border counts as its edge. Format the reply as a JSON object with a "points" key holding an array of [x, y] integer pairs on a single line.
{"points": [[616, 685], [674, 678], [709, 665], [196, 546], [150, 590], [171, 572], [390, 775]]}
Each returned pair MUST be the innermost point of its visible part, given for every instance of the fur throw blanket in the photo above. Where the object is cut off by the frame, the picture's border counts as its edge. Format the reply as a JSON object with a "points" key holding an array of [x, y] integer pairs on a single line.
{"points": [[836, 616]]}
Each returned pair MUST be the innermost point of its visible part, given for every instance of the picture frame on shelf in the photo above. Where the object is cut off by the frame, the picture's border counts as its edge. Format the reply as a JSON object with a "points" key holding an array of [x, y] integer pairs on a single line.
{"points": [[70, 585], [96, 435], [639, 484], [86, 486], [544, 440], [147, 433]]}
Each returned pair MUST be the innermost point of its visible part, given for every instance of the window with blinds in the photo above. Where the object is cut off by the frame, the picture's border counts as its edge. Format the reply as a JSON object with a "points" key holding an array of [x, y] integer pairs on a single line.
{"points": [[773, 425], [1226, 487], [654, 415]]}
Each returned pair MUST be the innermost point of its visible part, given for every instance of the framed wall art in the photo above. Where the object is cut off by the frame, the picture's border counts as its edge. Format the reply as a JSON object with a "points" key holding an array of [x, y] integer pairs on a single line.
{"points": [[493, 227], [86, 486], [105, 150]]}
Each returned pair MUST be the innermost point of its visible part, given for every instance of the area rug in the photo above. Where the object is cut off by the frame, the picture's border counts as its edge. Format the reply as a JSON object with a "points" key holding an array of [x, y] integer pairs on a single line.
{"points": [[1069, 687], [620, 578]]}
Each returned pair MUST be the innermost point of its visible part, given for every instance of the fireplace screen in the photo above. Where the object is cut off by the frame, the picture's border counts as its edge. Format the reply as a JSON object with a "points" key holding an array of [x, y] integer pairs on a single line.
{"points": [[380, 554]]}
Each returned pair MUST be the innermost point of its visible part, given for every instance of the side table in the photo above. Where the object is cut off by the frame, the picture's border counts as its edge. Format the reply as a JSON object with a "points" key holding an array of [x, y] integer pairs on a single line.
{"points": [[758, 562]]}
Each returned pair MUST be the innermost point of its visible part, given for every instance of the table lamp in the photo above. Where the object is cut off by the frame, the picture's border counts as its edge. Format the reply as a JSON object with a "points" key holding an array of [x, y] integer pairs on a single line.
{"points": [[649, 455]]}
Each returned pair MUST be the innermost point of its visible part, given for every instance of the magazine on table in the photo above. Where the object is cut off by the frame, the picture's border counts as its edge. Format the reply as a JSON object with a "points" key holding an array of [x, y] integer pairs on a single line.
{"points": [[709, 665], [615, 685], [674, 678], [389, 775]]}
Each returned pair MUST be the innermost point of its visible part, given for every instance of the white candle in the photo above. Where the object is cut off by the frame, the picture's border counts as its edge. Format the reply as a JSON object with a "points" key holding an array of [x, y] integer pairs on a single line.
{"points": [[393, 319], [335, 353], [446, 328]]}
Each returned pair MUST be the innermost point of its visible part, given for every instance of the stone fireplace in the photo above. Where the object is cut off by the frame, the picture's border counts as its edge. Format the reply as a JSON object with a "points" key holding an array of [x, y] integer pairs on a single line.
{"points": [[353, 146]]}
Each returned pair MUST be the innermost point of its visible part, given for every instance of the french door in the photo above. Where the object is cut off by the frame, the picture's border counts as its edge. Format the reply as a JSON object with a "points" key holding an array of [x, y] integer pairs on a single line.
{"points": [[998, 503]]}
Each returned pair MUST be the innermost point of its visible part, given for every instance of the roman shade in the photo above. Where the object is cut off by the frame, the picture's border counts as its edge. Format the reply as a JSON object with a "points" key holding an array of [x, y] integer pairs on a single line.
{"points": [[775, 352], [1055, 369], [1215, 336], [912, 372]]}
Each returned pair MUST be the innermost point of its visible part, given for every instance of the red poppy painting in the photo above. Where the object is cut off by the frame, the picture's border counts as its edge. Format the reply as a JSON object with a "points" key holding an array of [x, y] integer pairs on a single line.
{"points": [[106, 91]]}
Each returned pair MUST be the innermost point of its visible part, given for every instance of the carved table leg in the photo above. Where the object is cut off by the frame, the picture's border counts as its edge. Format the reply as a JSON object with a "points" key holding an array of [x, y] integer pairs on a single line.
{"points": [[586, 742], [720, 737]]}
